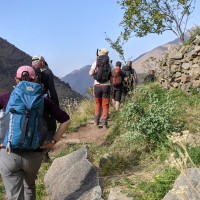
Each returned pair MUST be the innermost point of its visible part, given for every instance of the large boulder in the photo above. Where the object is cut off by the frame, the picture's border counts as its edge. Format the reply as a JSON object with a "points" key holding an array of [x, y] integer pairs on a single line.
{"points": [[73, 177], [186, 186]]}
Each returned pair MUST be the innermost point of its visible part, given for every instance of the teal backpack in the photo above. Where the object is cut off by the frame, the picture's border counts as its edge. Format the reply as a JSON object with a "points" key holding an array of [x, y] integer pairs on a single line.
{"points": [[25, 110]]}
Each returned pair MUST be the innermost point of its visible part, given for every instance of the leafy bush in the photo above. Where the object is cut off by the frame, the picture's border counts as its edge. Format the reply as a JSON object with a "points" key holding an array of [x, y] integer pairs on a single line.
{"points": [[151, 115]]}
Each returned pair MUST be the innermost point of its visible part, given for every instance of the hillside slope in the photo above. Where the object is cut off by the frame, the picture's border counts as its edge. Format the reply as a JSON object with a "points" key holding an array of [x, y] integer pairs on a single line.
{"points": [[11, 58], [79, 80]]}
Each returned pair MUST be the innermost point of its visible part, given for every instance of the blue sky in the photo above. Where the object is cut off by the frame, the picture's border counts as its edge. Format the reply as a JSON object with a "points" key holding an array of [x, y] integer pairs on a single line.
{"points": [[68, 32]]}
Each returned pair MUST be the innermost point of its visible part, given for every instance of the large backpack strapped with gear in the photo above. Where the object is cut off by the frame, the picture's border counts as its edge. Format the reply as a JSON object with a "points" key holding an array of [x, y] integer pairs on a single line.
{"points": [[25, 108], [103, 69]]}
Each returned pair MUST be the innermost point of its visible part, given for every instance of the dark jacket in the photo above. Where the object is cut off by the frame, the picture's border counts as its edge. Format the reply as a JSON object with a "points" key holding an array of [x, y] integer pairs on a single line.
{"points": [[149, 78], [48, 82], [128, 70]]}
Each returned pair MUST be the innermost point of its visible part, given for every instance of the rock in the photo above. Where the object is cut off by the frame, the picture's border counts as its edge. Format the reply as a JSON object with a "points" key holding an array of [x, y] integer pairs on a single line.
{"points": [[176, 55], [186, 186], [175, 85], [197, 49], [186, 66], [175, 68], [73, 177], [116, 194], [196, 83], [185, 78]]}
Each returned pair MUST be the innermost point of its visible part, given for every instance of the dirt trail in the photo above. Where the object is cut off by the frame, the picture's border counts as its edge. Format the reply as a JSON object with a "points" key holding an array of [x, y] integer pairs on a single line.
{"points": [[86, 134]]}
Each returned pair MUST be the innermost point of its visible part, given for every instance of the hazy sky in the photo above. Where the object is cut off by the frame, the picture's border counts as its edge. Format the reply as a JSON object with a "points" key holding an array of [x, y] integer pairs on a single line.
{"points": [[68, 32]]}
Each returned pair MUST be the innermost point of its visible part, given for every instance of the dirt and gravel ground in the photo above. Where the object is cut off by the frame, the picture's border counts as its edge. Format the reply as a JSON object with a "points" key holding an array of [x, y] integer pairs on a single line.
{"points": [[86, 134]]}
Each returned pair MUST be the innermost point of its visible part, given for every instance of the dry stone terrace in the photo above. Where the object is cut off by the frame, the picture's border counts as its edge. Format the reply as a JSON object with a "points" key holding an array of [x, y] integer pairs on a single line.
{"points": [[181, 67]]}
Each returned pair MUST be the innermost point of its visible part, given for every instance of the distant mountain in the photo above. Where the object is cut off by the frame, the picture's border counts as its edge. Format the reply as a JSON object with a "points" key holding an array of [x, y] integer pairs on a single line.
{"points": [[79, 80], [11, 58]]}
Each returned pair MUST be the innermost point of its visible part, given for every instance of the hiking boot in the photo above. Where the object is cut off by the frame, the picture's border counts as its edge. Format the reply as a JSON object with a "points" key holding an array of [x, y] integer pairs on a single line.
{"points": [[105, 126], [96, 123], [45, 157], [96, 120], [104, 123]]}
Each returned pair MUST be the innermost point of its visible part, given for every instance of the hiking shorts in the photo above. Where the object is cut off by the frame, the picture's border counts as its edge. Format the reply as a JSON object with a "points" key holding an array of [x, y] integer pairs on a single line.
{"points": [[102, 91], [117, 95]]}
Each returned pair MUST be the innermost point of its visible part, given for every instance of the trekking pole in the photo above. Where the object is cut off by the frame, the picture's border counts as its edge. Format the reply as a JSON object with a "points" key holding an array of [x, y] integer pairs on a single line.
{"points": [[97, 53]]}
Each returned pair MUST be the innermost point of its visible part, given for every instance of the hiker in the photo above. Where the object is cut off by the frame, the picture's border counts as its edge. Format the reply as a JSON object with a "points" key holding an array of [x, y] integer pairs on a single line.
{"points": [[44, 76], [101, 72], [130, 79], [117, 85], [21, 153], [150, 77]]}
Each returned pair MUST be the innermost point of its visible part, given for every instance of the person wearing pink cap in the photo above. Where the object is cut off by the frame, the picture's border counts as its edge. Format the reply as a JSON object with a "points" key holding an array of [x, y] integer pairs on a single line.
{"points": [[30, 74], [19, 168]]}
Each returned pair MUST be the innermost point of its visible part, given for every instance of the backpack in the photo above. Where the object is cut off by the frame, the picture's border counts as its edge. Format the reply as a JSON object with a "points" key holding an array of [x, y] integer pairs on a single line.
{"points": [[116, 77], [25, 108], [103, 69], [149, 78], [128, 71]]}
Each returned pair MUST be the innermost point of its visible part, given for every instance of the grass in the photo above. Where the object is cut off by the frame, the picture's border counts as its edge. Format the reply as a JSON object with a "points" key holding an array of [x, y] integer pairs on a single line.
{"points": [[81, 114], [40, 187], [2, 190], [149, 160]]}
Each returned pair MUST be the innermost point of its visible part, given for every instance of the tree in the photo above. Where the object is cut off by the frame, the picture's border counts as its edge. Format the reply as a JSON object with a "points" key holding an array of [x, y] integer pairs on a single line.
{"points": [[118, 47], [155, 16]]}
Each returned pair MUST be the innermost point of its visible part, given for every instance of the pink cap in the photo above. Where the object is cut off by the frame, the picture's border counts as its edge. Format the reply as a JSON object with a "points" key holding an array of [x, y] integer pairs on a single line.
{"points": [[28, 69]]}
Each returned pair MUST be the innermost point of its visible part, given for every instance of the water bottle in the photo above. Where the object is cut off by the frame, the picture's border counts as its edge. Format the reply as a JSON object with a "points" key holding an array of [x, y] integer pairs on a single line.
{"points": [[2, 113], [2, 125]]}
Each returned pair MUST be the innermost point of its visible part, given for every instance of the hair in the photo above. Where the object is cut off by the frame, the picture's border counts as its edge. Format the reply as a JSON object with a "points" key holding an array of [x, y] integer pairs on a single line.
{"points": [[152, 71], [25, 76], [118, 64], [129, 63]]}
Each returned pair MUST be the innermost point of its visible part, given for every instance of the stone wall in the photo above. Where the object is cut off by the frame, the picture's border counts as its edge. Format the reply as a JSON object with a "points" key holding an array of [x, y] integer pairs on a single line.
{"points": [[181, 67]]}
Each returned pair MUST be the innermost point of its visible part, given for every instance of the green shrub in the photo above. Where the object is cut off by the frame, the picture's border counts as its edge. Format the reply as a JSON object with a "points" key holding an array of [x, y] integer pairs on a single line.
{"points": [[151, 115]]}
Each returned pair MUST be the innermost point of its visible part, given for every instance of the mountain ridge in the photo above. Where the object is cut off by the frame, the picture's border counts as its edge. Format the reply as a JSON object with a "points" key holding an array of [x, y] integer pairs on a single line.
{"points": [[11, 58]]}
